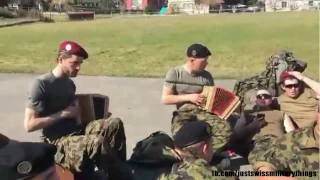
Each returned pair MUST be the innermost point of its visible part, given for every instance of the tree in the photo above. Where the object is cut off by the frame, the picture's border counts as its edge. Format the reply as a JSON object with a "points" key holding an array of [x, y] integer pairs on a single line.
{"points": [[294, 5], [107, 4], [122, 5], [209, 2], [274, 4]]}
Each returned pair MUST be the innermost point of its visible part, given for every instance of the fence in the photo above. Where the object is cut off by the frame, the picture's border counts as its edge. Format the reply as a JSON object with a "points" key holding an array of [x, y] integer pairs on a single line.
{"points": [[100, 14]]}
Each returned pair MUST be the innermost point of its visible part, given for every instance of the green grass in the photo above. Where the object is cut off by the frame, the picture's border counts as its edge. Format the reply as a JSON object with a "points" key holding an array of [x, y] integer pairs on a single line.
{"points": [[149, 46]]}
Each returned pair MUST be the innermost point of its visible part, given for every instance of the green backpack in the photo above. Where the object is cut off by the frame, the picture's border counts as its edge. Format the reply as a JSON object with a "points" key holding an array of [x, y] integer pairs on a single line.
{"points": [[275, 65]]}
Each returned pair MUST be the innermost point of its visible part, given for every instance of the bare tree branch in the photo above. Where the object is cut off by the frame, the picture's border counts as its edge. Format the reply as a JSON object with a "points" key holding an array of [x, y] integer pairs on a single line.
{"points": [[274, 4], [294, 5]]}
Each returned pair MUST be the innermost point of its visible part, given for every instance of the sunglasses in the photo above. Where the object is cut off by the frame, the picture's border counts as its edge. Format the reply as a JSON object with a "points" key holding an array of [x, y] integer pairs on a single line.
{"points": [[290, 86], [263, 96]]}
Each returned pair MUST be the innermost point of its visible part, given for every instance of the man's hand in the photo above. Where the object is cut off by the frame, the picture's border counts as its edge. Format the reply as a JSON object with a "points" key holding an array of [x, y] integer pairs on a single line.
{"points": [[72, 111], [296, 74], [258, 123], [196, 98]]}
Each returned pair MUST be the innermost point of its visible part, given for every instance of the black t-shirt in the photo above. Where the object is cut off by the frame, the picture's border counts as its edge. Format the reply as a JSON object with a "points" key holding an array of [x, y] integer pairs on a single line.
{"points": [[48, 95]]}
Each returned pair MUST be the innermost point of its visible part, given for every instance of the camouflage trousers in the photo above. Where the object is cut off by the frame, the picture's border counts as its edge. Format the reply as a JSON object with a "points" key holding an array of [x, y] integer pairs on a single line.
{"points": [[221, 129], [261, 145], [79, 152]]}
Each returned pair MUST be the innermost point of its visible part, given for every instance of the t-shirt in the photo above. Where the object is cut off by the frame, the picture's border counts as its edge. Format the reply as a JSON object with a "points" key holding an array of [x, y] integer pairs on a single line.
{"points": [[183, 82], [48, 95], [275, 119], [303, 109]]}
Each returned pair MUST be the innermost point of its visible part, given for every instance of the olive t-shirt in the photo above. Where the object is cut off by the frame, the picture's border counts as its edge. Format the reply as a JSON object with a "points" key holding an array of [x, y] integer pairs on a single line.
{"points": [[183, 82], [275, 119], [48, 95], [303, 109]]}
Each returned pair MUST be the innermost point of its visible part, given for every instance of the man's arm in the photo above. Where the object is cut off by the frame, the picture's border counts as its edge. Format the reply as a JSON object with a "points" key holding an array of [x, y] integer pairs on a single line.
{"points": [[287, 123], [35, 104], [168, 96], [314, 85]]}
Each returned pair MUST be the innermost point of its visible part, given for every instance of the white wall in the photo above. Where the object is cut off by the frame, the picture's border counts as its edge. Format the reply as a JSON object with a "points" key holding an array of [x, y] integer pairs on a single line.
{"points": [[188, 6], [287, 5]]}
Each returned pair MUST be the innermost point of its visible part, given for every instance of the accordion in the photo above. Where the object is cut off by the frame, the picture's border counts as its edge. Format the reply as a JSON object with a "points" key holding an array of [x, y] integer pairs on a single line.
{"points": [[92, 107], [219, 101]]}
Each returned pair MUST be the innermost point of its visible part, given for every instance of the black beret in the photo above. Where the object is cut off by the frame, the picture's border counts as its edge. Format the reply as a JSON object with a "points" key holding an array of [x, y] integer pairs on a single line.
{"points": [[192, 133], [198, 51], [25, 159]]}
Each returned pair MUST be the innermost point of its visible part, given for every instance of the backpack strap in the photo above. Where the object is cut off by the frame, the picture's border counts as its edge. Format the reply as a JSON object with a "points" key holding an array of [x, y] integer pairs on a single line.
{"points": [[175, 167]]}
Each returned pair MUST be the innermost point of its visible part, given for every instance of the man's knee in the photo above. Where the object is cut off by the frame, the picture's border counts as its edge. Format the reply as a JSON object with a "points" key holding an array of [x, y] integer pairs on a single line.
{"points": [[113, 123]]}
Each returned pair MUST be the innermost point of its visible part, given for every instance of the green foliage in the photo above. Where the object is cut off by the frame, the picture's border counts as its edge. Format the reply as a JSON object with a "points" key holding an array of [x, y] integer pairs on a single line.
{"points": [[149, 9], [4, 13]]}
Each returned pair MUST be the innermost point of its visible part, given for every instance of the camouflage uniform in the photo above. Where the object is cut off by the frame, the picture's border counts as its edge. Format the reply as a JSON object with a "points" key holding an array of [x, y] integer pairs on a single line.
{"points": [[260, 146], [79, 152], [221, 129], [295, 151], [193, 169]]}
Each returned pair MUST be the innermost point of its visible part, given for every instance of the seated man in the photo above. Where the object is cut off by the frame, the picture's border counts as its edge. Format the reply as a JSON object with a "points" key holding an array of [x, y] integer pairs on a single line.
{"points": [[51, 107], [27, 160], [271, 124], [196, 152], [295, 151], [182, 87], [299, 99]]}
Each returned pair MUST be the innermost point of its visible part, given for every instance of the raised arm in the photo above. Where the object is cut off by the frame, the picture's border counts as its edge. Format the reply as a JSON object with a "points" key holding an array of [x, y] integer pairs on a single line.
{"points": [[35, 105], [314, 85]]}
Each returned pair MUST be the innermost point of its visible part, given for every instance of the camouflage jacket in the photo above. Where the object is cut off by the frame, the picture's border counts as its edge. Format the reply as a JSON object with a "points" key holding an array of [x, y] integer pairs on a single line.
{"points": [[193, 169], [295, 151]]}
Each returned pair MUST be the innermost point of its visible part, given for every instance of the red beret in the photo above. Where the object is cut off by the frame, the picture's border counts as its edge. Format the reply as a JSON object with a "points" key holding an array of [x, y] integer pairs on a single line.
{"points": [[285, 75], [73, 48]]}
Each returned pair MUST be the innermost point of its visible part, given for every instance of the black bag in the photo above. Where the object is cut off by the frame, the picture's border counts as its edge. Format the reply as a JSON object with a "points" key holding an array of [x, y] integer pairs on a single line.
{"points": [[152, 156]]}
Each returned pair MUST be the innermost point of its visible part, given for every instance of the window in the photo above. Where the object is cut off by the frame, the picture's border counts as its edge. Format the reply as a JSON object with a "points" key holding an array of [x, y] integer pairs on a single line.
{"points": [[187, 6], [310, 3], [284, 4]]}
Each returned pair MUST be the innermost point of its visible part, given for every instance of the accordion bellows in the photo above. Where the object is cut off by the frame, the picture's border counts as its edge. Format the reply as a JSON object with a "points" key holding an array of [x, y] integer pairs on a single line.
{"points": [[92, 107], [219, 101]]}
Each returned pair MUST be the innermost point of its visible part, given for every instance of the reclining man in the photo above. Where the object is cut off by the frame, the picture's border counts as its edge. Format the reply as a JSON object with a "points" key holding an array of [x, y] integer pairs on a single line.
{"points": [[27, 160], [51, 107], [267, 125], [295, 151], [299, 99], [196, 151], [182, 87]]}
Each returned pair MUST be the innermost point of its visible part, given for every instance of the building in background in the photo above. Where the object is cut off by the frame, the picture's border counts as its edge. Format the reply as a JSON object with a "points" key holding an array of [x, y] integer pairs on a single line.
{"points": [[193, 6], [142, 4], [290, 5]]}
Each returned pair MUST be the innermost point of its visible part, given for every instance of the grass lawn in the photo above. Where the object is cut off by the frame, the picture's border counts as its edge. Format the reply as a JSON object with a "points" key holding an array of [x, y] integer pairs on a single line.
{"points": [[149, 46]]}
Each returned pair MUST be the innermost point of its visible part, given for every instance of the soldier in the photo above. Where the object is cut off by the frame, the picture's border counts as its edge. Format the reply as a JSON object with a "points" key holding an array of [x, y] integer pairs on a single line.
{"points": [[295, 151], [299, 99], [182, 87], [259, 126], [51, 107], [27, 160], [193, 143], [271, 124]]}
